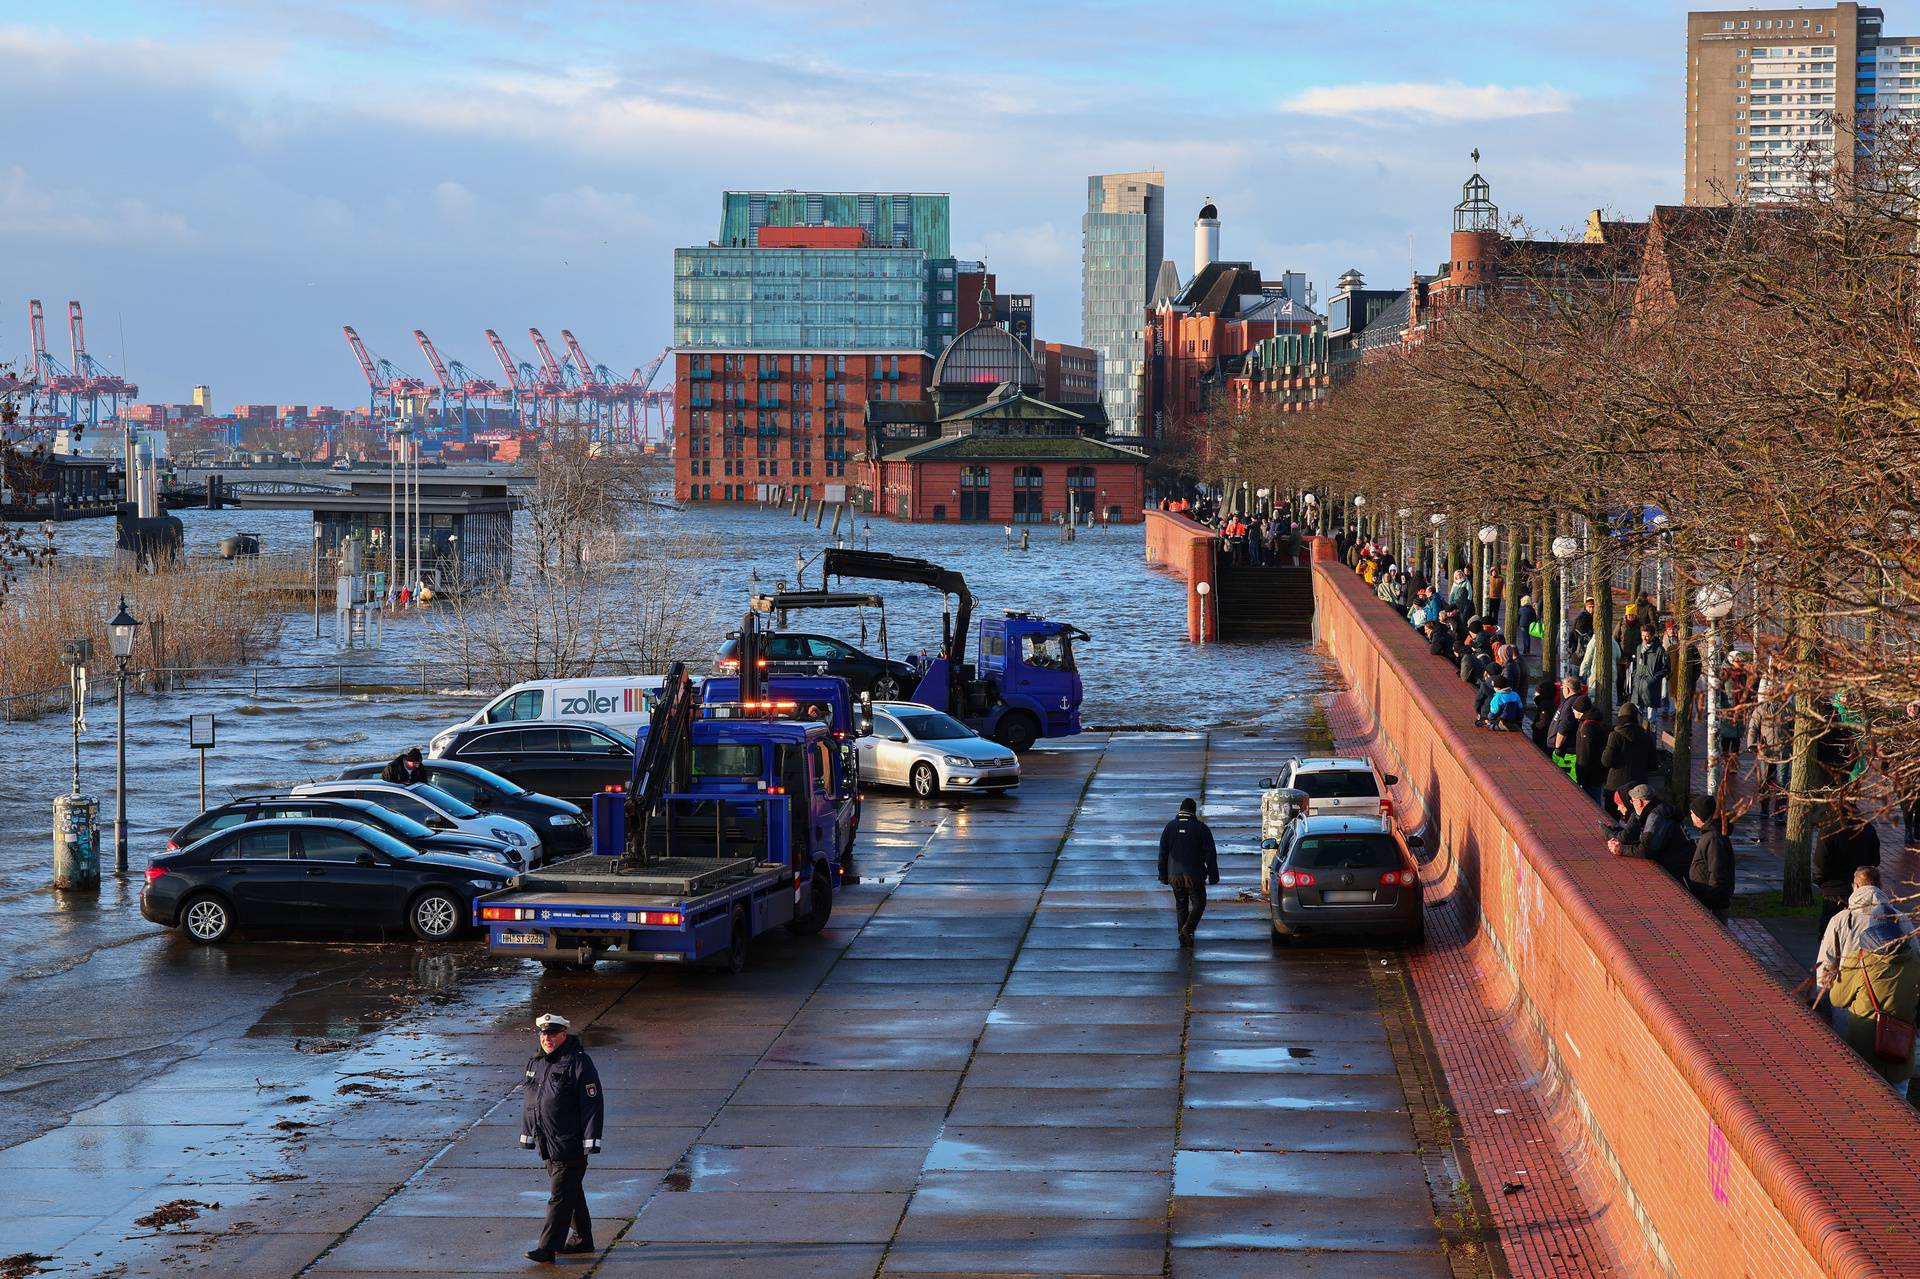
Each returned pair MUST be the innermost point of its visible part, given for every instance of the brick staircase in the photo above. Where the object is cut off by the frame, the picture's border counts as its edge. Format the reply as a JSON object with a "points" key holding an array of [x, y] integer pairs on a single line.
{"points": [[1270, 602]]}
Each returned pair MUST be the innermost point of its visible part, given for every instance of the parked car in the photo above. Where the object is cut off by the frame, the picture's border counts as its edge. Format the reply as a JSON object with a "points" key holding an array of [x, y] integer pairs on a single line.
{"points": [[881, 678], [563, 828], [617, 702], [573, 759], [313, 871], [433, 808], [1316, 786], [928, 751], [415, 835], [1337, 874]]}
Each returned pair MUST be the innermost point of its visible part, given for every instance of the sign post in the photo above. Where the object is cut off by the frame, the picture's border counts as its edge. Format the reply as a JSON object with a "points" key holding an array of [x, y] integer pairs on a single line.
{"points": [[200, 738]]}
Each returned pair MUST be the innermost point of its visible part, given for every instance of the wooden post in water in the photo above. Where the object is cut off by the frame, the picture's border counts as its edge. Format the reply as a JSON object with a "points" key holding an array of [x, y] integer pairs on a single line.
{"points": [[820, 513], [838, 512]]}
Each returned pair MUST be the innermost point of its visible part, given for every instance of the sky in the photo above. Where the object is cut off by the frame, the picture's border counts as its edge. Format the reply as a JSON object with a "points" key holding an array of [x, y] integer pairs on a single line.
{"points": [[224, 184]]}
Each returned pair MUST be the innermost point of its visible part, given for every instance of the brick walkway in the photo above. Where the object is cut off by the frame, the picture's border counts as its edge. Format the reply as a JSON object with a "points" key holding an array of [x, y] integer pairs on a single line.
{"points": [[1555, 1221]]}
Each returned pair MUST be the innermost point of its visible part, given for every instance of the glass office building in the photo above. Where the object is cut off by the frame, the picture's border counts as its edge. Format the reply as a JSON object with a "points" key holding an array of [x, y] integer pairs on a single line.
{"points": [[1122, 238]]}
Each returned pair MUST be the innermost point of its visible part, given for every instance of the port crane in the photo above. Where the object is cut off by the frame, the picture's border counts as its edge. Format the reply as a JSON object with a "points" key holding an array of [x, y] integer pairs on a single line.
{"points": [[456, 378]]}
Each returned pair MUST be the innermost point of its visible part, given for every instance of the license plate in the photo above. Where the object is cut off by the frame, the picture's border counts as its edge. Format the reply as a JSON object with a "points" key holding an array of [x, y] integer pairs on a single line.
{"points": [[523, 939], [1347, 897]]}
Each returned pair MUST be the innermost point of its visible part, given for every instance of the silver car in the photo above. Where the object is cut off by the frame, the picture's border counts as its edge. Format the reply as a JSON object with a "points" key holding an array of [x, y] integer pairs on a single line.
{"points": [[433, 807], [1318, 787], [927, 751]]}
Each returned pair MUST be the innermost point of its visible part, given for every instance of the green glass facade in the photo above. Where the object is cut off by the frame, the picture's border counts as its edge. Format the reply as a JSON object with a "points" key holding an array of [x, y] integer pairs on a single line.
{"points": [[733, 295], [1121, 242]]}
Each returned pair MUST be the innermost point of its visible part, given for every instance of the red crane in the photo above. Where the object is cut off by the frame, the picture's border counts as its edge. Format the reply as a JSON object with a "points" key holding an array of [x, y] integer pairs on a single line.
{"points": [[554, 384], [383, 378], [521, 379], [93, 379], [460, 381]]}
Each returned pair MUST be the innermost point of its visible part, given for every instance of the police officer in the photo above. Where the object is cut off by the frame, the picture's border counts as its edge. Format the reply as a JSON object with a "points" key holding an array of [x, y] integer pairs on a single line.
{"points": [[561, 1119]]}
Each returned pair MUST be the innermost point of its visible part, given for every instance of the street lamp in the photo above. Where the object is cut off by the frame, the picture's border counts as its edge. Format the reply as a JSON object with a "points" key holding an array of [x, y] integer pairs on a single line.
{"points": [[316, 579], [1564, 549], [1714, 601], [120, 643], [1437, 519], [1202, 589]]}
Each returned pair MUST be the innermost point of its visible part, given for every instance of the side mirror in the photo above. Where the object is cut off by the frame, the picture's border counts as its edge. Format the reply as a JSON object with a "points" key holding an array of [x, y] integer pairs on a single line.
{"points": [[1269, 843], [1391, 779], [1268, 783], [365, 859], [1415, 841]]}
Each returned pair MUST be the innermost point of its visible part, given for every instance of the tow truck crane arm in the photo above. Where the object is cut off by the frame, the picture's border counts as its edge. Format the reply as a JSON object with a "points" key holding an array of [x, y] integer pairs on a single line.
{"points": [[879, 566], [653, 763]]}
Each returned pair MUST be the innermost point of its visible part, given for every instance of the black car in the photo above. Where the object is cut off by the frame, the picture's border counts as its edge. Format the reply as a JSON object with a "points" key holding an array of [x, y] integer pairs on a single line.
{"points": [[570, 758], [564, 829], [313, 872], [415, 835], [1339, 874], [882, 678]]}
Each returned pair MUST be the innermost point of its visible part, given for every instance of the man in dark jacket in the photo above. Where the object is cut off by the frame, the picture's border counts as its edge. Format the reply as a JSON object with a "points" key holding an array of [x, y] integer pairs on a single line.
{"points": [[1573, 704], [405, 768], [1589, 748], [1710, 873], [1647, 674], [1188, 864], [1628, 757], [561, 1118], [1848, 843], [1439, 639], [1472, 667], [1653, 832]]}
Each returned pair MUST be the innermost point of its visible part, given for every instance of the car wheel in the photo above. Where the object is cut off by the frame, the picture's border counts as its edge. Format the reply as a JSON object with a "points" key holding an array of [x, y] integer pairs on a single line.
{"points": [[737, 944], [206, 919], [1017, 731], [924, 781], [1417, 935], [434, 915], [886, 689], [1277, 936], [820, 906]]}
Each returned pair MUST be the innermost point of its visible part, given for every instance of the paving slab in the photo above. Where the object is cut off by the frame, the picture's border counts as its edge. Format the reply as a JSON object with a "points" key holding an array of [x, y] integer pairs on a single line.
{"points": [[742, 1261], [709, 1169], [1271, 1128], [1097, 1071], [807, 1049], [739, 1125], [988, 1244], [1076, 1194], [969, 1147], [1212, 1263], [774, 1086], [770, 1217], [431, 1245]]}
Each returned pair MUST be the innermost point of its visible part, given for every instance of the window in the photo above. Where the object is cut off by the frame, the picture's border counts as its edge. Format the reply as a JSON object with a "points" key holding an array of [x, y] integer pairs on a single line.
{"points": [[330, 846], [584, 741], [1046, 652], [523, 705], [255, 845], [822, 766], [726, 761], [1345, 852], [828, 650]]}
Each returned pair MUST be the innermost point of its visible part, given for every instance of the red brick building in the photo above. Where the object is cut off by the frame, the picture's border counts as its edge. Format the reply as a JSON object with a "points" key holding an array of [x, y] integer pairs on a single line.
{"points": [[1068, 374], [985, 446], [1198, 341], [753, 422]]}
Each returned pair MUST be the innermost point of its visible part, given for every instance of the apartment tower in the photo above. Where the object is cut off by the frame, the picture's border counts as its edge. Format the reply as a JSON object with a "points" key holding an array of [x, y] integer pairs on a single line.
{"points": [[1764, 88]]}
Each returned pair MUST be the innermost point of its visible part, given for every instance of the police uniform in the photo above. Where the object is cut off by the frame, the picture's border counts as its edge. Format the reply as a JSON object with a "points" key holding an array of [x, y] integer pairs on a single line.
{"points": [[561, 1118]]}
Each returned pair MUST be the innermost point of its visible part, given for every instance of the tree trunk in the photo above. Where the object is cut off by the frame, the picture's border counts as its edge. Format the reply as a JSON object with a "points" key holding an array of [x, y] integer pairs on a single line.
{"points": [[1681, 675], [1510, 609], [1552, 607], [1805, 776]]}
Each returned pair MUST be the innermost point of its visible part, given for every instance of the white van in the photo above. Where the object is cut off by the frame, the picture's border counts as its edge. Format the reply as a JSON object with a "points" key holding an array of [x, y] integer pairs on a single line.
{"points": [[622, 702]]}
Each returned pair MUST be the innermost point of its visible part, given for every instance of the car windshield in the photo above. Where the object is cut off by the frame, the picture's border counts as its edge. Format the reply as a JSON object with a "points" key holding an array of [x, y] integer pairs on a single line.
{"points": [[394, 823], [384, 842], [443, 801], [1336, 784], [727, 760], [932, 726], [1047, 652], [1345, 852], [486, 779]]}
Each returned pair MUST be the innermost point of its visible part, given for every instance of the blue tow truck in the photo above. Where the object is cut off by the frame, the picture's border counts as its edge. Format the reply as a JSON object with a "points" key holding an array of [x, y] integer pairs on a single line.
{"points": [[1025, 684], [734, 825]]}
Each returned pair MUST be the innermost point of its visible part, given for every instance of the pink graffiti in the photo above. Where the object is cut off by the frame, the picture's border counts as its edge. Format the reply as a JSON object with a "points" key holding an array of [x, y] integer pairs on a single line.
{"points": [[1717, 1163]]}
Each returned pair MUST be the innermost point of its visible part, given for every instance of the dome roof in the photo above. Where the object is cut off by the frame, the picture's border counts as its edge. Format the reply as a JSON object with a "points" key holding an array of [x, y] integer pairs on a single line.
{"points": [[1208, 212], [985, 355]]}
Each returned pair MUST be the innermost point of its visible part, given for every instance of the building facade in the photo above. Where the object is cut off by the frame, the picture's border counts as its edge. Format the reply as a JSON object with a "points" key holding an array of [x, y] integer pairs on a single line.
{"points": [[1195, 345], [1068, 374], [807, 307], [985, 446], [1122, 246], [1763, 86]]}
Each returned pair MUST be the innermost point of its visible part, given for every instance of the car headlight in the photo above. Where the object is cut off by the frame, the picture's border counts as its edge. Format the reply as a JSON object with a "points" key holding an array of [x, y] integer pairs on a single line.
{"points": [[489, 855], [508, 836], [562, 819], [484, 883], [958, 761], [439, 744]]}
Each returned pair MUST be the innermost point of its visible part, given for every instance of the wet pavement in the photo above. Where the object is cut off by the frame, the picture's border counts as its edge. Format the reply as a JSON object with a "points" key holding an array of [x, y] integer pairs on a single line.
{"points": [[995, 1061]]}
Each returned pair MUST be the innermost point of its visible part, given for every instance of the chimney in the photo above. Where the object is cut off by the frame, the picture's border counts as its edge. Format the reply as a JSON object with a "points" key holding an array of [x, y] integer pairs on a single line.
{"points": [[1206, 237]]}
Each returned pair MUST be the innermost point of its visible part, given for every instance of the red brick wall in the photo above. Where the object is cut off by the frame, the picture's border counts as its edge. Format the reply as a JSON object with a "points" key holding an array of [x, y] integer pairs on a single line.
{"points": [[1745, 1136], [1182, 546], [930, 484]]}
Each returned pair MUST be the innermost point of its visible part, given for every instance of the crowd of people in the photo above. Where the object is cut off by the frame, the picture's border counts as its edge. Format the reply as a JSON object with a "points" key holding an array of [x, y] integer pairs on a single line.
{"points": [[1265, 535], [1869, 966]]}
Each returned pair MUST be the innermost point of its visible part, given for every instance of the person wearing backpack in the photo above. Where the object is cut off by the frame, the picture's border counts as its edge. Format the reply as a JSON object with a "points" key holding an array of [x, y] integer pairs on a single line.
{"points": [[1874, 983], [1653, 832]]}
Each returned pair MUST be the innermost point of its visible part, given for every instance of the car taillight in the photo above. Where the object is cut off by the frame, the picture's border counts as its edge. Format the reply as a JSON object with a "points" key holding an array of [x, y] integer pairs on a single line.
{"points": [[1386, 807], [155, 872], [1404, 878], [505, 914], [172, 846], [1296, 879]]}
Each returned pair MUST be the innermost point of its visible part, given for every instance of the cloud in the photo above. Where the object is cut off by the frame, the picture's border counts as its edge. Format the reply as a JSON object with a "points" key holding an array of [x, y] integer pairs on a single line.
{"points": [[30, 209], [1449, 102]]}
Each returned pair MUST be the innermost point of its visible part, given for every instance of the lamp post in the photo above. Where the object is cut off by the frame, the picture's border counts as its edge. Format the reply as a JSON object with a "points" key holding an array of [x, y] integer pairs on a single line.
{"points": [[1202, 589], [1564, 549], [316, 579], [120, 642], [1714, 601], [1359, 513], [1483, 565], [1437, 520], [1401, 539]]}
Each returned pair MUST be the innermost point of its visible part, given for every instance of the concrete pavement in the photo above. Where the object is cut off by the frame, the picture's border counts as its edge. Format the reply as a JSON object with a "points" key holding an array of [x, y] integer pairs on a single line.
{"points": [[996, 1061]]}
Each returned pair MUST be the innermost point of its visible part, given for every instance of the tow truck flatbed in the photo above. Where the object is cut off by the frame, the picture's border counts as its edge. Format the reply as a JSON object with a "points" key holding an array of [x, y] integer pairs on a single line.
{"points": [[668, 877]]}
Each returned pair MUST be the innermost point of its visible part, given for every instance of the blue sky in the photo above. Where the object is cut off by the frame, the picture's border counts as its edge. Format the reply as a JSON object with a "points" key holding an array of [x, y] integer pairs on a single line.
{"points": [[224, 184]]}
